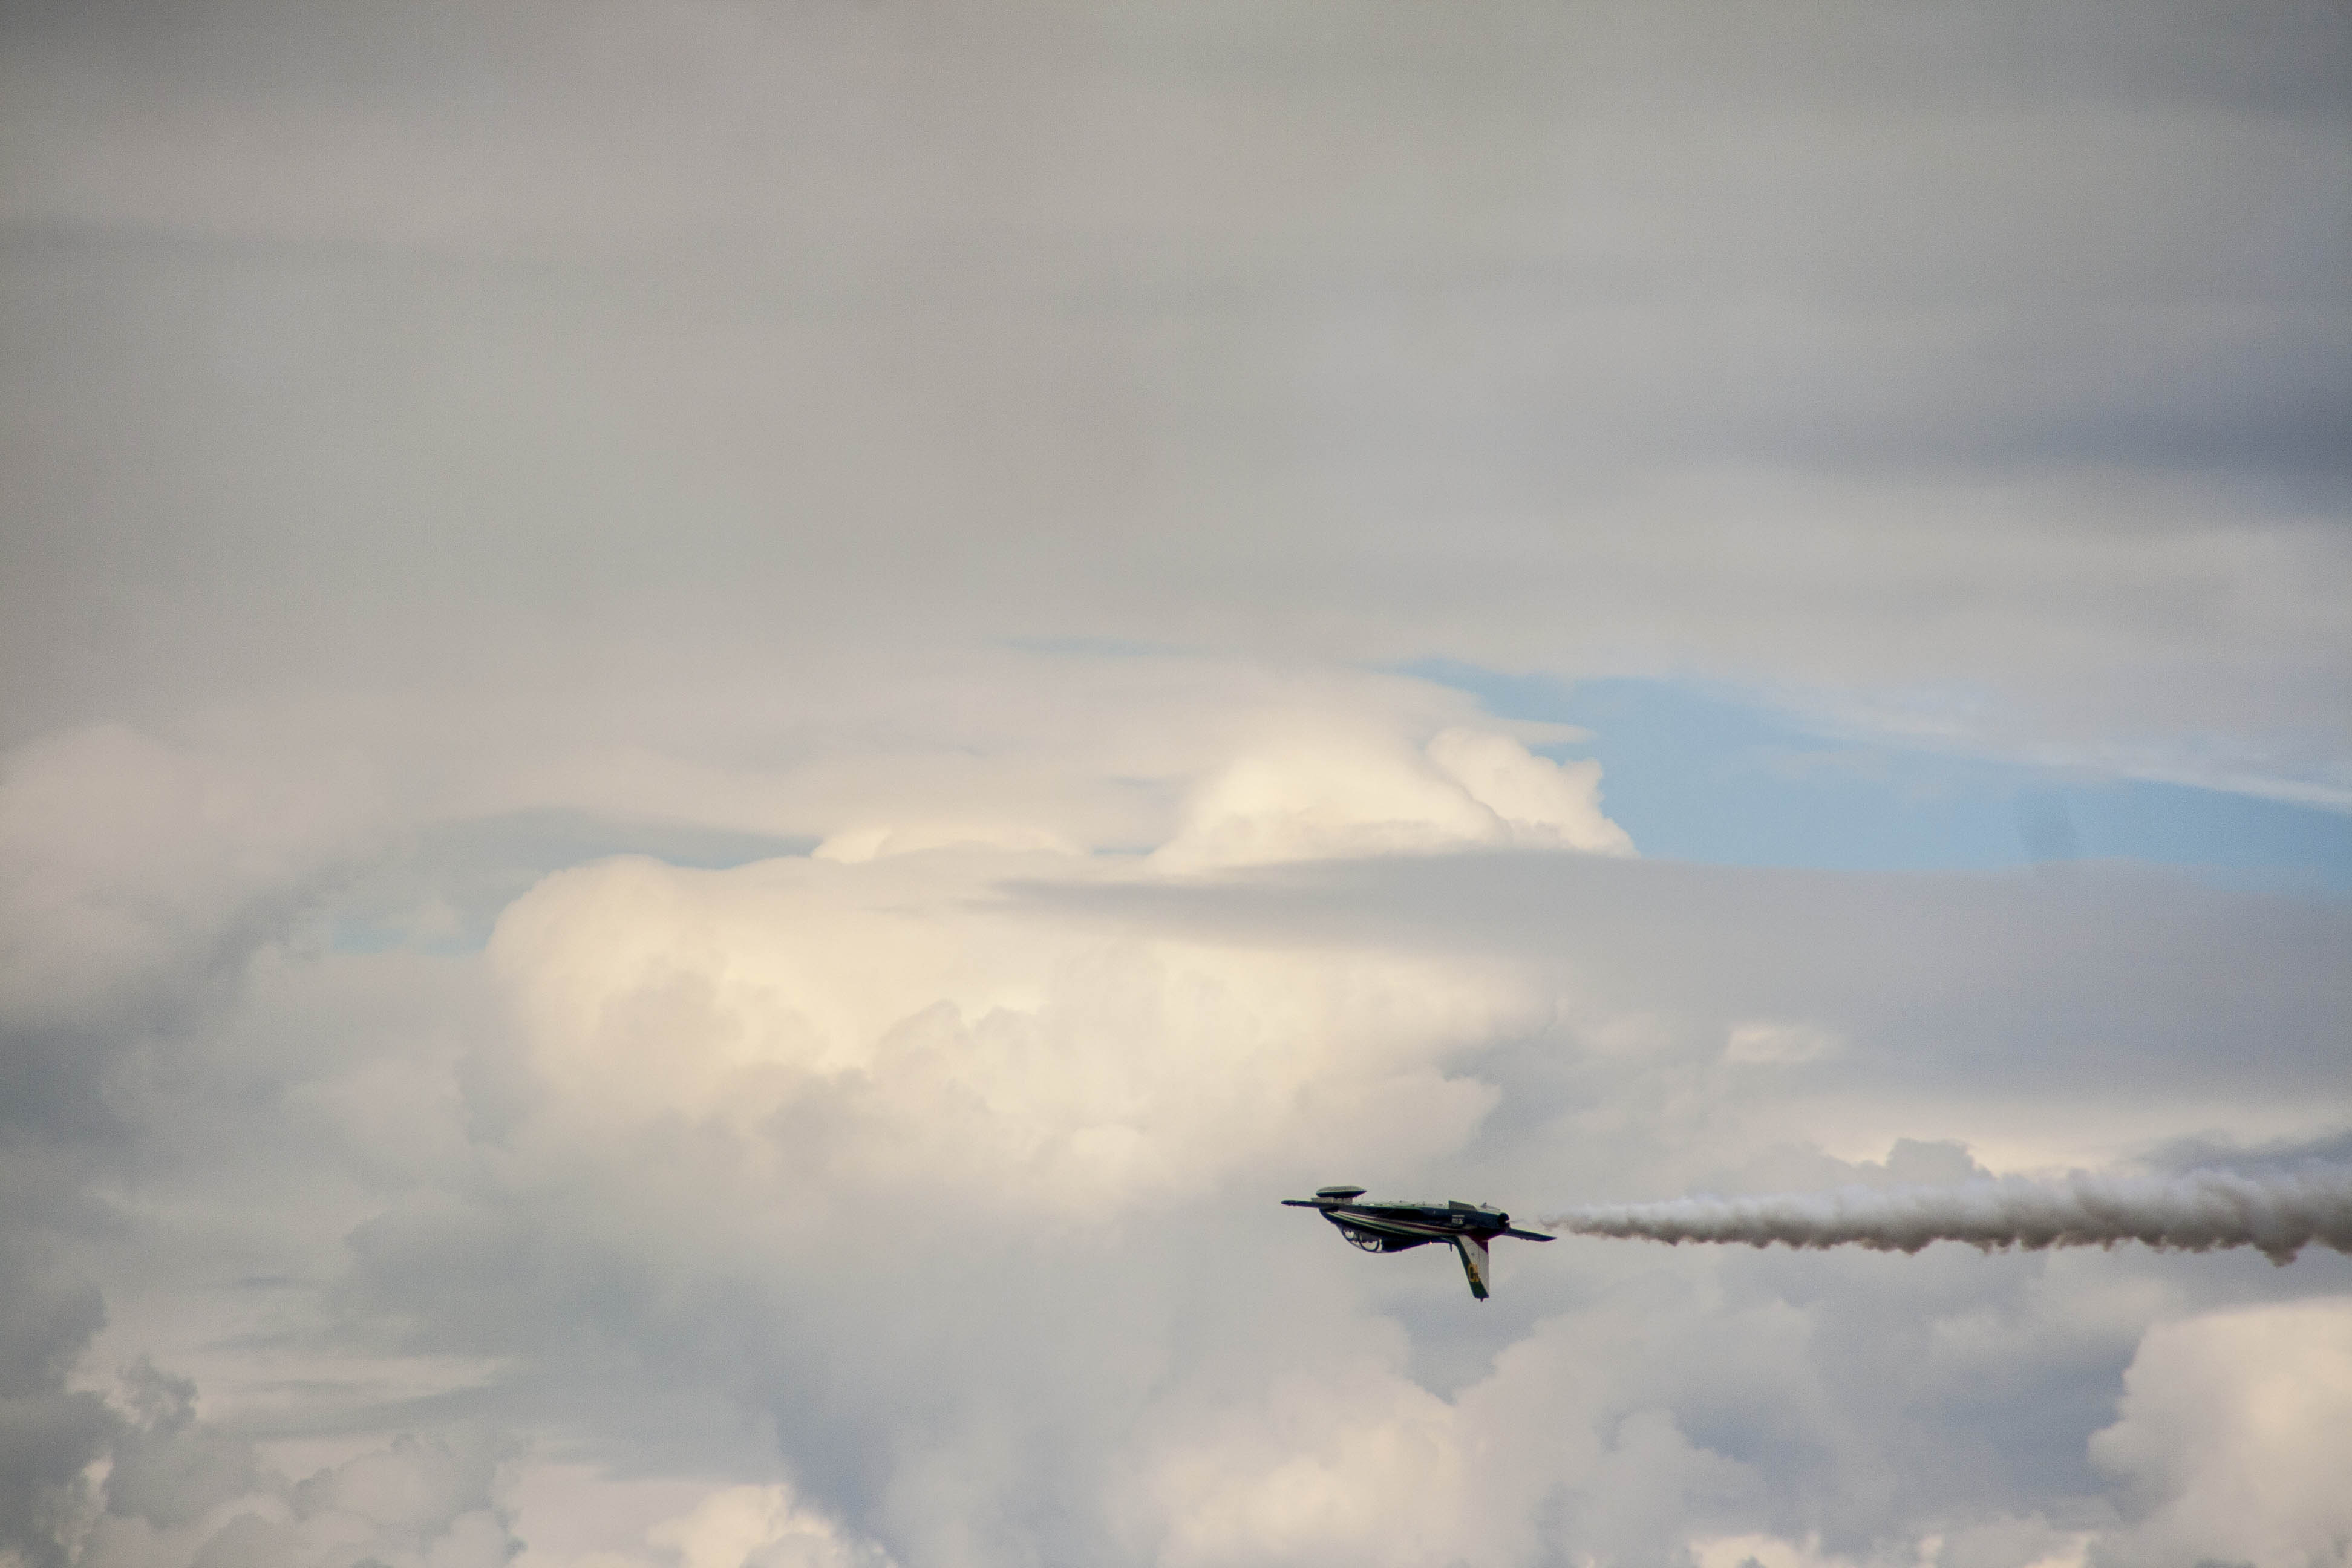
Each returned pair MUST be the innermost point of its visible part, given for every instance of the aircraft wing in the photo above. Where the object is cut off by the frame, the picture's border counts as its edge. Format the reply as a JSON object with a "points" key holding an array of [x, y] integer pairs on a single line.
{"points": [[1473, 1262]]}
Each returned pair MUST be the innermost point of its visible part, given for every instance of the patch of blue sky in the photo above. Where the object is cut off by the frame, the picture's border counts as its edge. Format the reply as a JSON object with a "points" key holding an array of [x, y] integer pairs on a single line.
{"points": [[369, 934], [1697, 771]]}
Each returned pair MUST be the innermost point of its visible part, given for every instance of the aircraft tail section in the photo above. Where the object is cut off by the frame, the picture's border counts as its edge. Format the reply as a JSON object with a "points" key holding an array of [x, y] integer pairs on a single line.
{"points": [[1475, 1263]]}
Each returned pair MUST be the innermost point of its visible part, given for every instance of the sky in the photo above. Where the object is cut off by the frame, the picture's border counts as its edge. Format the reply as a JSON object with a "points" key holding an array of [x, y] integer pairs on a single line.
{"points": [[726, 728]]}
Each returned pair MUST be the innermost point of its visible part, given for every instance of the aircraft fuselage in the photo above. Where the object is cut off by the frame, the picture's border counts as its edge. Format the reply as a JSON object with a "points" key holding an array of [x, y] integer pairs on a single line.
{"points": [[1396, 1225]]}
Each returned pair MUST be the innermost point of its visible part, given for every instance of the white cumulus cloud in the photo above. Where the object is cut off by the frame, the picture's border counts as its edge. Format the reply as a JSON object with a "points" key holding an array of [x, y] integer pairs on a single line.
{"points": [[951, 1035], [2232, 1435], [1332, 792]]}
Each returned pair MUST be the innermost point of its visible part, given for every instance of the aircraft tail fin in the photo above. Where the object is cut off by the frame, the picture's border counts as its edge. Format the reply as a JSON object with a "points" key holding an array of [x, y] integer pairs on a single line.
{"points": [[1475, 1263]]}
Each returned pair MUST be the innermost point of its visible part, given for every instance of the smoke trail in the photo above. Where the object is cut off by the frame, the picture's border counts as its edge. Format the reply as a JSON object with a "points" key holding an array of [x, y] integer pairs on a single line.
{"points": [[2278, 1212]]}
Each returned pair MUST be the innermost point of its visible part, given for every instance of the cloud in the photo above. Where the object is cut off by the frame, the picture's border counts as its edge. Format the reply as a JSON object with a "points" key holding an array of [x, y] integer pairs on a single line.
{"points": [[139, 875], [49, 1435], [1334, 795], [761, 1527], [1968, 1006], [194, 1496], [133, 861], [145, 1481], [804, 1091], [2228, 1434], [168, 1468], [2011, 1543], [936, 1034], [2012, 393], [527, 475], [1357, 1463], [1777, 1044], [695, 1190]]}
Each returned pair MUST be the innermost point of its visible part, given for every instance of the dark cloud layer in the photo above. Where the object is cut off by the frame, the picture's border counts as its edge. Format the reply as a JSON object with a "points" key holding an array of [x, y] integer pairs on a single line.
{"points": [[47, 1433], [546, 338], [2111, 978]]}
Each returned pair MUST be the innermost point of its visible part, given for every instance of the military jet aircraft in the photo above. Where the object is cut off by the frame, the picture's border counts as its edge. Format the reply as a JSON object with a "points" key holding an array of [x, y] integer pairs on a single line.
{"points": [[1393, 1227]]}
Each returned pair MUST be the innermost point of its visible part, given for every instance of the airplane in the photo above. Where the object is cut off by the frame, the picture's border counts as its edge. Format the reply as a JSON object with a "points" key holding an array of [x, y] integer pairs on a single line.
{"points": [[1393, 1227]]}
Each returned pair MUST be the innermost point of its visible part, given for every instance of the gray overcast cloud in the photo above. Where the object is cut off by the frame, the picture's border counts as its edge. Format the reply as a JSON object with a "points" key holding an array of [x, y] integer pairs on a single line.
{"points": [[709, 771]]}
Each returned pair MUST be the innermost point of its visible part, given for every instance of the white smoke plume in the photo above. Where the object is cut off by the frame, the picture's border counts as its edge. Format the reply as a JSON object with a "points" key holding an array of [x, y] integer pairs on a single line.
{"points": [[2277, 1212]]}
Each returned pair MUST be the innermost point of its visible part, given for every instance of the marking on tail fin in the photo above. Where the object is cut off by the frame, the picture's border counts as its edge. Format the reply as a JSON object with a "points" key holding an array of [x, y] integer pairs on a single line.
{"points": [[1475, 1262]]}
